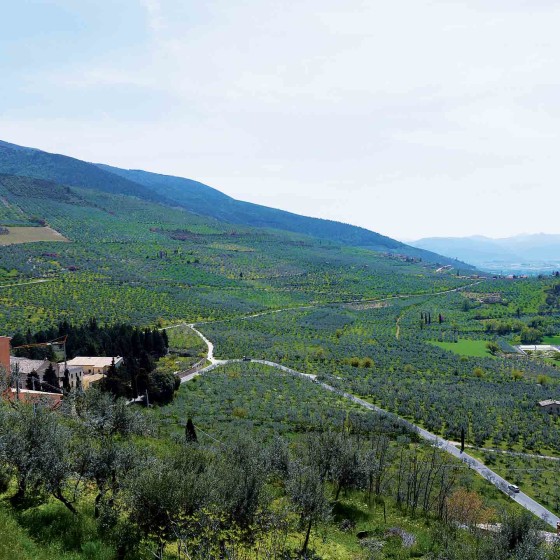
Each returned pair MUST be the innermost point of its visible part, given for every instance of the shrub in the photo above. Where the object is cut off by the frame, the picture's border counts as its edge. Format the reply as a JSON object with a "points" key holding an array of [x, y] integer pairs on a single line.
{"points": [[367, 363], [5, 478], [239, 412]]}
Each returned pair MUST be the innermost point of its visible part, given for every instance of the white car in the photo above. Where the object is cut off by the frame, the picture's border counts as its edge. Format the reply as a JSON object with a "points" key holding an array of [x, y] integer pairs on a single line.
{"points": [[513, 488]]}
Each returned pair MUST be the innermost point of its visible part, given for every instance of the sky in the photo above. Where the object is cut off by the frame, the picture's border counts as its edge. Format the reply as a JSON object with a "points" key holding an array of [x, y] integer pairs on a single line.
{"points": [[412, 118]]}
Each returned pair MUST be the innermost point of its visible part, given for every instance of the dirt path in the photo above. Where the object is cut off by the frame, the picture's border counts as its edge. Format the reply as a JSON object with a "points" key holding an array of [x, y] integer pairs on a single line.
{"points": [[41, 281]]}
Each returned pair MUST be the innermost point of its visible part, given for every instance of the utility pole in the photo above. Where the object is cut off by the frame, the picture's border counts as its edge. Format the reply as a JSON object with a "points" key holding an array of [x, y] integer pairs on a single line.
{"points": [[462, 439], [17, 382], [65, 357]]}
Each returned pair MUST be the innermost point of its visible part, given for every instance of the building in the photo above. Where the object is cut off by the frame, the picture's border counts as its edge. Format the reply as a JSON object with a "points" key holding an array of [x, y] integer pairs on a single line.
{"points": [[94, 364], [89, 380], [25, 366], [550, 405], [547, 349], [22, 367], [28, 396], [75, 374], [4, 353]]}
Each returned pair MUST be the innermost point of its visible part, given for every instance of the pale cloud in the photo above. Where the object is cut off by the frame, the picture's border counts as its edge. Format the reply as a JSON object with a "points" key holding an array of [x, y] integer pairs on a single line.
{"points": [[412, 118], [156, 20]]}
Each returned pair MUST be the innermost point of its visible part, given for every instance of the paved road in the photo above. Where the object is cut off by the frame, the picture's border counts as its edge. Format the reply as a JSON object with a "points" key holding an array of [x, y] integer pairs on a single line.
{"points": [[500, 483], [447, 446], [512, 453]]}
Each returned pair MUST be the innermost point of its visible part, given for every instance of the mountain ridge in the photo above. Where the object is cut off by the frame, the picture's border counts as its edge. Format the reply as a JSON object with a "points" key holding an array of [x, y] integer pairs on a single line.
{"points": [[197, 198]]}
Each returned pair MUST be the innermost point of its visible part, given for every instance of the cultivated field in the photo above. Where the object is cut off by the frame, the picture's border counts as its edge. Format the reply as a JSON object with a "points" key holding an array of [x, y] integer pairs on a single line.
{"points": [[30, 235], [466, 347]]}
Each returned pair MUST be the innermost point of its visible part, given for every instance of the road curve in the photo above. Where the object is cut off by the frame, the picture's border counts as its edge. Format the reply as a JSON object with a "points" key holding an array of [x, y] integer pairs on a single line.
{"points": [[522, 499]]}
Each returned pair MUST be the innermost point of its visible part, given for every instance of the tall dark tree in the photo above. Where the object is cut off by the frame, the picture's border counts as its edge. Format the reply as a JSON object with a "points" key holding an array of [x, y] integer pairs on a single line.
{"points": [[190, 432], [32, 381], [66, 381], [51, 383]]}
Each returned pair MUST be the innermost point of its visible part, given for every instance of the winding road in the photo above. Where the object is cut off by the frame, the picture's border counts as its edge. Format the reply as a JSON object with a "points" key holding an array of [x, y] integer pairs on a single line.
{"points": [[449, 447]]}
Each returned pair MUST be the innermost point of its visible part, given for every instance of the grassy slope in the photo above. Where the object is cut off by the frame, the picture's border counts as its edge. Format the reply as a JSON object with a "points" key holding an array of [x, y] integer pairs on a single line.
{"points": [[208, 201], [554, 340], [53, 533]]}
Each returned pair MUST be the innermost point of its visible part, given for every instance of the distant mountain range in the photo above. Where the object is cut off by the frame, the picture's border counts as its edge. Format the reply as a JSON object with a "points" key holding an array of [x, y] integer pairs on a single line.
{"points": [[522, 253], [197, 198]]}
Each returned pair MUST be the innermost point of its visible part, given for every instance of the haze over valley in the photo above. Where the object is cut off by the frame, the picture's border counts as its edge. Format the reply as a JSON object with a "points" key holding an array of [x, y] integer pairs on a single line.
{"points": [[521, 254]]}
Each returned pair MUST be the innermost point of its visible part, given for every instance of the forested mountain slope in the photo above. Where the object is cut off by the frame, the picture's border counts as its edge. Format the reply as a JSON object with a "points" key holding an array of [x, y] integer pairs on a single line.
{"points": [[28, 162], [130, 258], [208, 201], [196, 197]]}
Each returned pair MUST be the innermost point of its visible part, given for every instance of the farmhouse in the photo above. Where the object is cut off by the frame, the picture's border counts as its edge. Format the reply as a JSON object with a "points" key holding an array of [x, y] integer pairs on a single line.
{"points": [[75, 375], [94, 364], [550, 405], [25, 366], [546, 349]]}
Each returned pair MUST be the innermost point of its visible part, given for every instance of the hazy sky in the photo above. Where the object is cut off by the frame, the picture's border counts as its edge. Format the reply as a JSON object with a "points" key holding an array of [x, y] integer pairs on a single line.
{"points": [[409, 117]]}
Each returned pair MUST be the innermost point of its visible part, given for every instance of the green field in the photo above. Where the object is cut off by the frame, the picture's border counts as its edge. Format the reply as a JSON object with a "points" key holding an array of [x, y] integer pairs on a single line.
{"points": [[554, 340], [466, 347]]}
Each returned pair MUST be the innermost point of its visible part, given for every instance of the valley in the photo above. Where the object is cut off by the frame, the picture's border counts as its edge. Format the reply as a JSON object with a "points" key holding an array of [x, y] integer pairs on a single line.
{"points": [[309, 355]]}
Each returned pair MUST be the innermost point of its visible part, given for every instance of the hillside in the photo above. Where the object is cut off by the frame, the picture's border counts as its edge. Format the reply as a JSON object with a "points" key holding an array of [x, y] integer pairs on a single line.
{"points": [[195, 197], [28, 162], [154, 260]]}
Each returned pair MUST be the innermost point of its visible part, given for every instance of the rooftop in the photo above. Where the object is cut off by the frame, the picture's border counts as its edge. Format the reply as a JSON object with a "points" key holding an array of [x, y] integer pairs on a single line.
{"points": [[26, 365], [548, 402], [94, 361], [539, 348]]}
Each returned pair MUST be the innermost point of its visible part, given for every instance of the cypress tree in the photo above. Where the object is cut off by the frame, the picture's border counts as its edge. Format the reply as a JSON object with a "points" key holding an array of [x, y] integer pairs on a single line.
{"points": [[50, 380], [190, 432], [66, 381], [32, 381]]}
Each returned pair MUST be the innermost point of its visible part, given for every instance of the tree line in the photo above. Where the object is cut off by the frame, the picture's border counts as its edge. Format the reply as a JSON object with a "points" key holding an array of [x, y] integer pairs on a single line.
{"points": [[139, 348], [241, 498]]}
